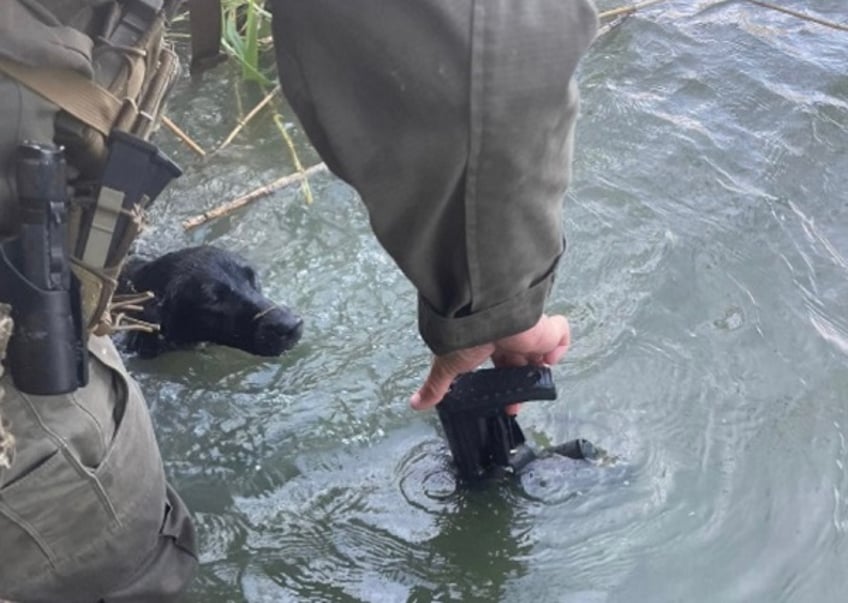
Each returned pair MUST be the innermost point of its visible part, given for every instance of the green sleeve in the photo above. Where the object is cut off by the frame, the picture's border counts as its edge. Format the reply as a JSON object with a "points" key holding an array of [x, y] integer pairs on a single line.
{"points": [[453, 119]]}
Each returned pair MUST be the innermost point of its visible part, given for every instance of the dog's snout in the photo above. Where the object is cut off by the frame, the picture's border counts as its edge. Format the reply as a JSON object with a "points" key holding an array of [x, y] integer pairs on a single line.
{"points": [[280, 319], [278, 330], [290, 326]]}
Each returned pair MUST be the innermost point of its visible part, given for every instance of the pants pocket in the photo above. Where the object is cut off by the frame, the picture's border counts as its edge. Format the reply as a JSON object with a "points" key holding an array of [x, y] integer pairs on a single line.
{"points": [[71, 532], [31, 503], [47, 519], [170, 567]]}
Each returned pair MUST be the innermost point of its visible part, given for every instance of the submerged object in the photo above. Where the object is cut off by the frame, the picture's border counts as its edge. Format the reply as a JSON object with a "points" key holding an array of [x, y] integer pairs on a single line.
{"points": [[484, 439]]}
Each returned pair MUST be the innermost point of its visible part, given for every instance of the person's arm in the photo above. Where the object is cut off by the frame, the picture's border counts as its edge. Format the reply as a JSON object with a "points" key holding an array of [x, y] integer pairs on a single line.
{"points": [[453, 119]]}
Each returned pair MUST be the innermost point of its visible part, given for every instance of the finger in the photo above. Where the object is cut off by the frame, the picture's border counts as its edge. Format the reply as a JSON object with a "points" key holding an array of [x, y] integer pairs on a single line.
{"points": [[513, 409], [435, 386], [555, 333], [442, 373], [561, 324], [554, 355]]}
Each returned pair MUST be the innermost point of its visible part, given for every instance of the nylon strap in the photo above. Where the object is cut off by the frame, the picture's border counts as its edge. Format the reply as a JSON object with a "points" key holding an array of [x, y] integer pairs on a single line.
{"points": [[110, 202], [88, 102]]}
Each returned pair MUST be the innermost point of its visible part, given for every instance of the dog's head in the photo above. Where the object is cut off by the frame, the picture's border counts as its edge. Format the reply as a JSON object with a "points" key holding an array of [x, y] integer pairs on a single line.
{"points": [[208, 294]]}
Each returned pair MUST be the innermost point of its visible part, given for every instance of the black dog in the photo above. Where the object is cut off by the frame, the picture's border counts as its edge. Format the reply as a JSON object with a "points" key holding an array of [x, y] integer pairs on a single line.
{"points": [[206, 294]]}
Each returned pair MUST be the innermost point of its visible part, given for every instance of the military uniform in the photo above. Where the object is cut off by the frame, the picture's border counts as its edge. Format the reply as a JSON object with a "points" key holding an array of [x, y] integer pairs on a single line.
{"points": [[85, 511], [454, 121], [7, 440]]}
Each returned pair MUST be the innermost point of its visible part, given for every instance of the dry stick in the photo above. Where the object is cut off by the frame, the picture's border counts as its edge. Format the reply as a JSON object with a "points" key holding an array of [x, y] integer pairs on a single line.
{"points": [[307, 191], [248, 117], [258, 193], [800, 15], [612, 24], [183, 136], [627, 9]]}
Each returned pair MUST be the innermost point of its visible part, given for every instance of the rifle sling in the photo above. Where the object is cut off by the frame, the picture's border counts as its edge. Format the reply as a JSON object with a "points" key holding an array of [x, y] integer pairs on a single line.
{"points": [[70, 91]]}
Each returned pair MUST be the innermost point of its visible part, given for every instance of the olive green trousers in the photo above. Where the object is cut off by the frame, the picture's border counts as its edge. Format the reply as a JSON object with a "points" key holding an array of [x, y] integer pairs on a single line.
{"points": [[85, 512]]}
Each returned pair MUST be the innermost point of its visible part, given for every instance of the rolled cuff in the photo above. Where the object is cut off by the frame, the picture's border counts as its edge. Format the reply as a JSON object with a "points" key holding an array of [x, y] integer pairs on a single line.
{"points": [[447, 334]]}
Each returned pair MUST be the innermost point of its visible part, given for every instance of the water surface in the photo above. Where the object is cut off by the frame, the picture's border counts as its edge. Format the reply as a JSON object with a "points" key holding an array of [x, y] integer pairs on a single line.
{"points": [[706, 281]]}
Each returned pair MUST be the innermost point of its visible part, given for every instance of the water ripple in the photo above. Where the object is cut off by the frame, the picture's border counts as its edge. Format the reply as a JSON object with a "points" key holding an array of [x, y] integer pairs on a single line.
{"points": [[706, 283]]}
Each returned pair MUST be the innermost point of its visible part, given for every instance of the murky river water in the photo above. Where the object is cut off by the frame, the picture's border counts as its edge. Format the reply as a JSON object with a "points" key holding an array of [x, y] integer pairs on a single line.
{"points": [[707, 285]]}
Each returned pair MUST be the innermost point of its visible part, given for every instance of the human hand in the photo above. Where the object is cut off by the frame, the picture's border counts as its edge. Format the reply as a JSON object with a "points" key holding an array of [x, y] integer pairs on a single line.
{"points": [[543, 343]]}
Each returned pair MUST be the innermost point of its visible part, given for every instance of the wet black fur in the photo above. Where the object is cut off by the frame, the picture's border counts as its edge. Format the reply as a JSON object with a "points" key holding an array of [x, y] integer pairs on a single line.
{"points": [[206, 294]]}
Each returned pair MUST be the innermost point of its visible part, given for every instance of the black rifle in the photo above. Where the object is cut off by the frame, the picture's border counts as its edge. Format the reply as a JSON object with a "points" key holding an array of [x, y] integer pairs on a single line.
{"points": [[47, 353], [484, 438]]}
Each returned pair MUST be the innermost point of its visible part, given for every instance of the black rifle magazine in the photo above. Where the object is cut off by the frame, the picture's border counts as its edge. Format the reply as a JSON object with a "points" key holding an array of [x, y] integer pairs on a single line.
{"points": [[481, 435], [490, 390]]}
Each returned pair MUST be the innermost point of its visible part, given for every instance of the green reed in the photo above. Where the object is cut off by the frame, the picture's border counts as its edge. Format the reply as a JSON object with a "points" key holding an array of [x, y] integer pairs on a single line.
{"points": [[246, 36]]}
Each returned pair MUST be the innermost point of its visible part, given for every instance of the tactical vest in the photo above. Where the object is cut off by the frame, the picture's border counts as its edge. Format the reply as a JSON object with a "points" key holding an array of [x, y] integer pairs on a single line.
{"points": [[101, 70]]}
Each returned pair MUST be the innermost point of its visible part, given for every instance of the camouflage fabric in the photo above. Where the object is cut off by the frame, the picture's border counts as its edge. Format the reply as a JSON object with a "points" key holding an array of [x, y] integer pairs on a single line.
{"points": [[85, 511], [31, 35], [454, 121], [86, 514], [7, 440]]}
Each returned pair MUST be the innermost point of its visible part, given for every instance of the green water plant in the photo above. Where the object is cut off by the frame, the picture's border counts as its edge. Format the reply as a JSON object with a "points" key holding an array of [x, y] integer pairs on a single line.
{"points": [[246, 36], [304, 182]]}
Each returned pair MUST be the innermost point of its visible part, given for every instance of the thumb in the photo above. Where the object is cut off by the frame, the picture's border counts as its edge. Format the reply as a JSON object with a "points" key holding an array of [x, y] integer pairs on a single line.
{"points": [[442, 373]]}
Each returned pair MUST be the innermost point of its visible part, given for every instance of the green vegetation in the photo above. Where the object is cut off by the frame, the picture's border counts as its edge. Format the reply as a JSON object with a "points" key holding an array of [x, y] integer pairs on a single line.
{"points": [[246, 36], [279, 121]]}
